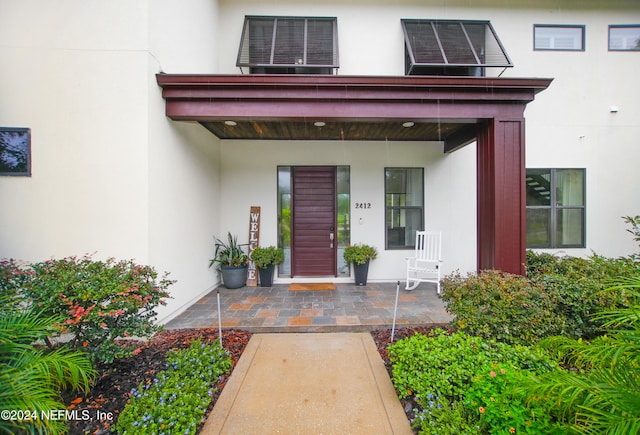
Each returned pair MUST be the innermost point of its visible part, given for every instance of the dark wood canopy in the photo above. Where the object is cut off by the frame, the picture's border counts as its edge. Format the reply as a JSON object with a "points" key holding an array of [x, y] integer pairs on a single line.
{"points": [[454, 110]]}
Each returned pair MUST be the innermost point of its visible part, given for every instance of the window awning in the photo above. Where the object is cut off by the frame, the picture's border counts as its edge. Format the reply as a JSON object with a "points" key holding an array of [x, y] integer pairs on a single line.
{"points": [[292, 42], [452, 43]]}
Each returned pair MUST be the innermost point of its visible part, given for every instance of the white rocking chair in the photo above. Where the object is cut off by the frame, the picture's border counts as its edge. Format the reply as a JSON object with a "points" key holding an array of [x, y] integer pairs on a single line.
{"points": [[426, 265]]}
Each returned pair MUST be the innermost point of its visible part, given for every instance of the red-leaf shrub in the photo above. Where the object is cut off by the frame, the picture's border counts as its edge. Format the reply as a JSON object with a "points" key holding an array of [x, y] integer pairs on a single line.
{"points": [[101, 300]]}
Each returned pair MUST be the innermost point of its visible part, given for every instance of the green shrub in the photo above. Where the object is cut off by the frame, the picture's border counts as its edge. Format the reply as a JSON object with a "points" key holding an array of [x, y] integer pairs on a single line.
{"points": [[603, 395], [32, 377], [266, 256], [176, 400], [100, 301], [575, 286], [12, 278], [559, 296], [449, 378], [504, 307], [359, 253], [634, 221], [494, 400]]}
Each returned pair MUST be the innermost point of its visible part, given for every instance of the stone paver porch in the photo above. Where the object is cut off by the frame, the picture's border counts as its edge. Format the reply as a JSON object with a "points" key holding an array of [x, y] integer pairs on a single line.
{"points": [[348, 308]]}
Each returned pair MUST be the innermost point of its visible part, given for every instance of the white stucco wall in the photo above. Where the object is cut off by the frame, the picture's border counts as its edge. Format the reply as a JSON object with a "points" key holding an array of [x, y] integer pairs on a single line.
{"points": [[184, 167], [568, 125], [112, 175], [249, 170], [75, 73]]}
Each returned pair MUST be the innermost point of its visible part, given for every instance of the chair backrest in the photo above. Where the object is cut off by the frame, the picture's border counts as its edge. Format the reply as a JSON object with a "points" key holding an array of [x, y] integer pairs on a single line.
{"points": [[428, 246]]}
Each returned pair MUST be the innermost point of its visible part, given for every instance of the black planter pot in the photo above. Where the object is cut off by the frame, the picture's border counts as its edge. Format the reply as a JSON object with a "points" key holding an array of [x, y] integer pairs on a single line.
{"points": [[361, 271], [234, 276], [266, 275]]}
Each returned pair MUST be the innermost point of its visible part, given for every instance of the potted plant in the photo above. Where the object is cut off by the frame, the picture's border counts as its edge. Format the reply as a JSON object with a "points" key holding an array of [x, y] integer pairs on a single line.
{"points": [[266, 259], [232, 261], [360, 255]]}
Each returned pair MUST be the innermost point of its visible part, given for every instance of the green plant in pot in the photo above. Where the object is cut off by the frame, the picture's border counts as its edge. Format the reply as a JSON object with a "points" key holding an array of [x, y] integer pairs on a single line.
{"points": [[232, 262], [360, 255], [266, 259]]}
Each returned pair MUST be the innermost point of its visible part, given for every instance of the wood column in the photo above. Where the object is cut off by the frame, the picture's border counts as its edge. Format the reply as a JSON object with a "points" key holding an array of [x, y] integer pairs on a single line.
{"points": [[501, 196]]}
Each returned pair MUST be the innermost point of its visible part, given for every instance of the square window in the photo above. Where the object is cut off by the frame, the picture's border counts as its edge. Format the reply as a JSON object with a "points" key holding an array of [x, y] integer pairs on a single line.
{"points": [[538, 231], [555, 208], [624, 38], [15, 151], [554, 37]]}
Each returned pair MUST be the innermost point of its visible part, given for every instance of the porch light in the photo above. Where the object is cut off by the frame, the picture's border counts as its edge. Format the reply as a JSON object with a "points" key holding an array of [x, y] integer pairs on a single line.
{"points": [[408, 124], [230, 123], [319, 123]]}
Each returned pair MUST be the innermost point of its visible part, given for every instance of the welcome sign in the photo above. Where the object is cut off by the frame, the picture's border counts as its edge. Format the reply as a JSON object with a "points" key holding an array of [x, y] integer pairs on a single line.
{"points": [[254, 242]]}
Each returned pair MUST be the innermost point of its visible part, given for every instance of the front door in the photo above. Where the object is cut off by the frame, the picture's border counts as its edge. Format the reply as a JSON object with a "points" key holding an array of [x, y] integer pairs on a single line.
{"points": [[313, 244]]}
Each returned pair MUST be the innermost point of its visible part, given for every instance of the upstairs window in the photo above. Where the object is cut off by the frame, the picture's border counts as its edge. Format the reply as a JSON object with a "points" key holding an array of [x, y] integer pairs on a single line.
{"points": [[289, 45], [451, 47], [555, 37], [624, 37]]}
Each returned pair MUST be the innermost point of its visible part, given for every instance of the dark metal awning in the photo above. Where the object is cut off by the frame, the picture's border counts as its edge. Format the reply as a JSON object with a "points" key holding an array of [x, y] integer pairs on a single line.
{"points": [[454, 45], [295, 42]]}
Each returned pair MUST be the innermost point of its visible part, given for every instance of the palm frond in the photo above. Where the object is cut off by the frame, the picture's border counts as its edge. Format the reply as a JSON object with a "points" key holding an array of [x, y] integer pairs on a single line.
{"points": [[32, 377], [605, 396]]}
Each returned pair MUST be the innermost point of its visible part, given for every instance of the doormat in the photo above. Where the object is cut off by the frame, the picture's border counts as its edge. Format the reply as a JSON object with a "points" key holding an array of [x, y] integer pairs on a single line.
{"points": [[311, 286]]}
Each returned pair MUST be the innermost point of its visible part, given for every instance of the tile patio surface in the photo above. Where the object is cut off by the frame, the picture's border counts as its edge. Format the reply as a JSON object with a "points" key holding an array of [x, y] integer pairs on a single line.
{"points": [[348, 308]]}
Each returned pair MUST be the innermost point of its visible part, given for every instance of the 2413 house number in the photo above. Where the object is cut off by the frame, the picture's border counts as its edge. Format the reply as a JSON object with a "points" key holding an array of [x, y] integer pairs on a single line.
{"points": [[363, 205]]}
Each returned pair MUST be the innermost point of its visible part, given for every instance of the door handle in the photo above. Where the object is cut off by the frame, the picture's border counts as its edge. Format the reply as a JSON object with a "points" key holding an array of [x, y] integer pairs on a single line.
{"points": [[331, 230]]}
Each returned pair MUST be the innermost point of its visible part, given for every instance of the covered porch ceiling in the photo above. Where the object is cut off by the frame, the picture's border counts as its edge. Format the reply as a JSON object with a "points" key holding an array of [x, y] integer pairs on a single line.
{"points": [[327, 107]]}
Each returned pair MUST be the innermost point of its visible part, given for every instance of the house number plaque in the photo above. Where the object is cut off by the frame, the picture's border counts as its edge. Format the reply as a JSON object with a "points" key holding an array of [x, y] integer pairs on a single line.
{"points": [[254, 241], [363, 205]]}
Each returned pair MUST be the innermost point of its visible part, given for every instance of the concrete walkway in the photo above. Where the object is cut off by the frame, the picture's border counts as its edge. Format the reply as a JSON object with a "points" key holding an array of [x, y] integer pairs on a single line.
{"points": [[309, 383]]}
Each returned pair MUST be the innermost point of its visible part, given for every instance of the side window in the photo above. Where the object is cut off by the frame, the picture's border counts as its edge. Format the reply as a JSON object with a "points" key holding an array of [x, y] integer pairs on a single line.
{"points": [[555, 208], [558, 37], [624, 38], [404, 206]]}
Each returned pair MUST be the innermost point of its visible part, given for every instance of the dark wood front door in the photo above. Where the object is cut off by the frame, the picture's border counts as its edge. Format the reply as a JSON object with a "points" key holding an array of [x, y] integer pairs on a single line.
{"points": [[314, 221]]}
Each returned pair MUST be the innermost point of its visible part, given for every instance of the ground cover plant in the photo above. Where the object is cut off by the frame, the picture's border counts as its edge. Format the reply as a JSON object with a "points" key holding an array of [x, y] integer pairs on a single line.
{"points": [[116, 381], [464, 384], [177, 398]]}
